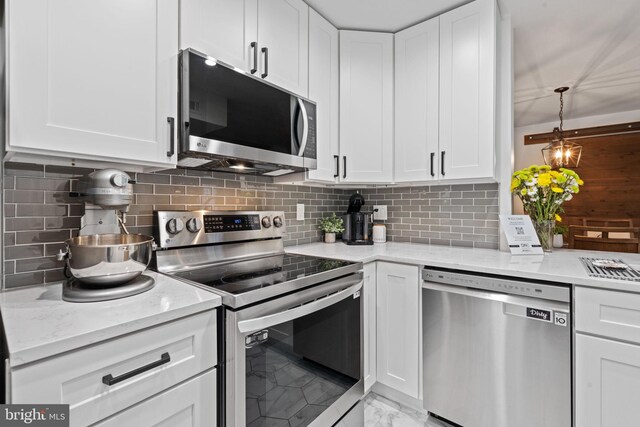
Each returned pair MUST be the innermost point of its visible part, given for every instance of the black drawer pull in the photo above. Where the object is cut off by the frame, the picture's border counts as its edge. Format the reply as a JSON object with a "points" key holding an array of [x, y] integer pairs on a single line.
{"points": [[172, 145], [344, 168], [442, 163], [432, 156], [265, 50], [110, 380], [254, 47], [337, 159]]}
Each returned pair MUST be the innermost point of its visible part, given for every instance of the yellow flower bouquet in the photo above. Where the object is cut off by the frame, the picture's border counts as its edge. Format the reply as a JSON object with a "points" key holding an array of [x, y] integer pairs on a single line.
{"points": [[542, 192]]}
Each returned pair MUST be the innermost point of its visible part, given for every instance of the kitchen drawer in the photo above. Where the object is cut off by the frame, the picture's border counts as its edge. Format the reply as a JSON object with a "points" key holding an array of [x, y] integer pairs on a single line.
{"points": [[76, 378], [192, 403], [608, 313]]}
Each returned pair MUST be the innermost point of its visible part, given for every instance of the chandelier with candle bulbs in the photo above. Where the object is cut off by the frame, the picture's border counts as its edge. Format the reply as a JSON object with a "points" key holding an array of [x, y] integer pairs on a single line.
{"points": [[560, 153]]}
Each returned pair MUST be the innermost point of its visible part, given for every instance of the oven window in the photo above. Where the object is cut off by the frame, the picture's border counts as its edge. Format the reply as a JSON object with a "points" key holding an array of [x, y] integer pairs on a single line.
{"points": [[296, 370]]}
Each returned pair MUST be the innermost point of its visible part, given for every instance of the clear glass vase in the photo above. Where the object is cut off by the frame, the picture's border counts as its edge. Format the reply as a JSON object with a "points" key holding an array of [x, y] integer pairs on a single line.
{"points": [[544, 230]]}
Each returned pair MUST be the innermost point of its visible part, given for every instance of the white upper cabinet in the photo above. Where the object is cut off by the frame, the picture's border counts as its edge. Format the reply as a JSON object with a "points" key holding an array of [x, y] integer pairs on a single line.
{"points": [[416, 106], [324, 89], [268, 38], [467, 91], [92, 82], [366, 107], [445, 96], [283, 34], [223, 29]]}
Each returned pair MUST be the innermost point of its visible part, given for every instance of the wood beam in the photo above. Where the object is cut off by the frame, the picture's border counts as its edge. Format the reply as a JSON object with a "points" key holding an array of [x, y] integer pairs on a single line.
{"points": [[547, 137]]}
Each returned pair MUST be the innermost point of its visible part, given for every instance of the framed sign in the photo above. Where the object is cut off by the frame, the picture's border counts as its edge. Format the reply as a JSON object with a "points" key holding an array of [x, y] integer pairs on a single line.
{"points": [[521, 235]]}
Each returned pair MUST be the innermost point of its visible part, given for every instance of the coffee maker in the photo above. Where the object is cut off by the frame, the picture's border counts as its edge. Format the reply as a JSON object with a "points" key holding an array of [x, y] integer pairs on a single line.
{"points": [[357, 225]]}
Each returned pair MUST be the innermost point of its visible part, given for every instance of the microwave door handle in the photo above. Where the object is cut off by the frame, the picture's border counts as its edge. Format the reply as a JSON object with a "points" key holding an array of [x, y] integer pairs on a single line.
{"points": [[259, 323], [305, 127]]}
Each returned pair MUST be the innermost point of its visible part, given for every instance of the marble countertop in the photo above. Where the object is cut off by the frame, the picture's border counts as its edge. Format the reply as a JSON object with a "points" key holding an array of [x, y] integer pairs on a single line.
{"points": [[562, 265], [39, 324]]}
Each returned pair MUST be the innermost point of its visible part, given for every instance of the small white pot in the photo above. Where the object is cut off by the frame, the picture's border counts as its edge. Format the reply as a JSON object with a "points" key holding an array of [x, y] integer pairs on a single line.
{"points": [[558, 241], [329, 237]]}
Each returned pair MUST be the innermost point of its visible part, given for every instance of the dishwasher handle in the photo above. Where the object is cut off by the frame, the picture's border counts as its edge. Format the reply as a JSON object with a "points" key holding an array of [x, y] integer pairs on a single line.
{"points": [[514, 300]]}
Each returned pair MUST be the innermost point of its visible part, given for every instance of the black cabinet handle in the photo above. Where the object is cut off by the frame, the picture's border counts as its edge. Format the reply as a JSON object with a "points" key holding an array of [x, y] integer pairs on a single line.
{"points": [[254, 46], [442, 163], [344, 167], [172, 148], [337, 174], [433, 155], [265, 50], [110, 380]]}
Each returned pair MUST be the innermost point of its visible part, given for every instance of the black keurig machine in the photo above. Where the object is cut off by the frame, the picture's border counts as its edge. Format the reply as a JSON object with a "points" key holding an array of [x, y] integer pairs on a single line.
{"points": [[357, 225]]}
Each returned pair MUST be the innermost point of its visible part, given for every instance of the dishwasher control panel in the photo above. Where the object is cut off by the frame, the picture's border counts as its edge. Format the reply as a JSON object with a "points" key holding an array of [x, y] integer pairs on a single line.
{"points": [[502, 284]]}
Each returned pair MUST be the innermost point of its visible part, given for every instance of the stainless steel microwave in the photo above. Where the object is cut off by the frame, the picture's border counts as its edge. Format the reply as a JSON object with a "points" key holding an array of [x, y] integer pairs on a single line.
{"points": [[231, 120]]}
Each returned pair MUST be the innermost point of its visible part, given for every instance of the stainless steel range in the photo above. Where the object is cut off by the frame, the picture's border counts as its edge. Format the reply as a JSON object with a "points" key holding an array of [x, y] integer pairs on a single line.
{"points": [[292, 338]]}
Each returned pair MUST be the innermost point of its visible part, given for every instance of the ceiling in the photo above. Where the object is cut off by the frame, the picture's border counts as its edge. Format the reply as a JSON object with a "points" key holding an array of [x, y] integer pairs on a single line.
{"points": [[590, 45]]}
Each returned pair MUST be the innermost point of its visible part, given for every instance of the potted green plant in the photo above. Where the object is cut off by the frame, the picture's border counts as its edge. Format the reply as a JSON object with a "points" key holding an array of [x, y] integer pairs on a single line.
{"points": [[558, 235], [330, 226]]}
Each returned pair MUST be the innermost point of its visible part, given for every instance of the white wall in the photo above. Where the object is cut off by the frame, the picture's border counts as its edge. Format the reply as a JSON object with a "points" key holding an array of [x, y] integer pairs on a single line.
{"points": [[530, 154]]}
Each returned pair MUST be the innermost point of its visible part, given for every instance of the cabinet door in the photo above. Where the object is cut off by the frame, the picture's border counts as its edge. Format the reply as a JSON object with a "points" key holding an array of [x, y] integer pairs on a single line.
{"points": [[398, 322], [607, 382], [369, 325], [192, 403], [283, 29], [93, 80], [416, 105], [324, 73], [223, 29], [366, 106], [467, 90]]}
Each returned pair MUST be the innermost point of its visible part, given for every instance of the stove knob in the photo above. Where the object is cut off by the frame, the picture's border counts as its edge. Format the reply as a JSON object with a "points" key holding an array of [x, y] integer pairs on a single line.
{"points": [[277, 221], [174, 226], [194, 225], [266, 222]]}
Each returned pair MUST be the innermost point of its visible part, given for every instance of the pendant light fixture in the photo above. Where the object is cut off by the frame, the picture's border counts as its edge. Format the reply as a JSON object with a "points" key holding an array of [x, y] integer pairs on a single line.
{"points": [[561, 153]]}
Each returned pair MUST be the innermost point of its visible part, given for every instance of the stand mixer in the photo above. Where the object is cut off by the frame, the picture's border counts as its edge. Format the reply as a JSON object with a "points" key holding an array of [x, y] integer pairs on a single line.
{"points": [[104, 263], [107, 195]]}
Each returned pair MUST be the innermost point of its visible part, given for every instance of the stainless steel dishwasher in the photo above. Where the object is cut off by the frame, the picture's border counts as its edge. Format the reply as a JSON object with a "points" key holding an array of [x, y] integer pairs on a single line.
{"points": [[497, 350]]}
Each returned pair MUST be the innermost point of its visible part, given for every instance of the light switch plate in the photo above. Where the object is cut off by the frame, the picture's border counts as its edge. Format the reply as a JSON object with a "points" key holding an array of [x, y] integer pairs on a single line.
{"points": [[381, 215], [300, 212]]}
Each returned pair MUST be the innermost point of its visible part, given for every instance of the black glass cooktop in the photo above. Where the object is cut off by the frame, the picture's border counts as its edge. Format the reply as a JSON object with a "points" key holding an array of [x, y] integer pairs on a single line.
{"points": [[258, 273]]}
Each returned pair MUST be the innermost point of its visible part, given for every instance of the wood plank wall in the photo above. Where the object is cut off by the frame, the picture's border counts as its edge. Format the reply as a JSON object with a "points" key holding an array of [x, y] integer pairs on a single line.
{"points": [[610, 168]]}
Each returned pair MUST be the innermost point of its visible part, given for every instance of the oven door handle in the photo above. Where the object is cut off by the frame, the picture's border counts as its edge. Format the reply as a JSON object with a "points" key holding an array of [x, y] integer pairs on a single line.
{"points": [[264, 322]]}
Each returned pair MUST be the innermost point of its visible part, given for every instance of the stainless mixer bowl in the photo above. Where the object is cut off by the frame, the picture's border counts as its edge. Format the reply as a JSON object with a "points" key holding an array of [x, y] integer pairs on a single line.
{"points": [[108, 259]]}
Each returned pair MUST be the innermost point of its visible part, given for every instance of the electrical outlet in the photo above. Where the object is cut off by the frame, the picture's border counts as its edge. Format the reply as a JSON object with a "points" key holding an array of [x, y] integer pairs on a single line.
{"points": [[381, 214], [300, 212]]}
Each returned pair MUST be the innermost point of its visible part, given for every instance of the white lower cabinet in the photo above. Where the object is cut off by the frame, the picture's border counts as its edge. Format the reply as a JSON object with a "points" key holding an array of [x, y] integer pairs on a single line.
{"points": [[191, 404], [369, 325], [103, 379], [607, 382], [607, 370], [398, 327]]}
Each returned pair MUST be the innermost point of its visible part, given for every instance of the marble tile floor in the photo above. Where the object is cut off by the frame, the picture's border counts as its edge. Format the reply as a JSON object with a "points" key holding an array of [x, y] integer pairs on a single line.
{"points": [[382, 412]]}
